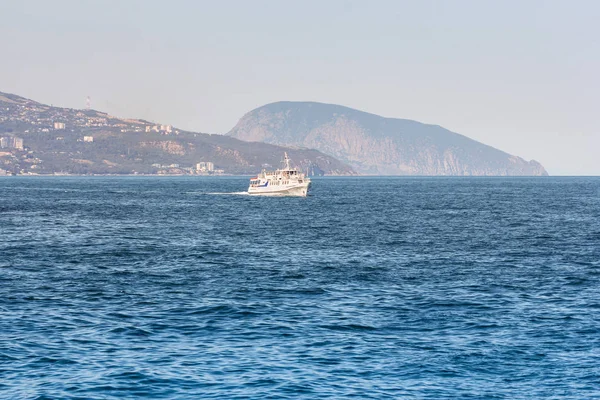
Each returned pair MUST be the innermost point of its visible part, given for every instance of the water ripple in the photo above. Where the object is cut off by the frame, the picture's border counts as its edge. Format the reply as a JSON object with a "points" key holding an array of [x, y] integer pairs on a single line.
{"points": [[371, 288]]}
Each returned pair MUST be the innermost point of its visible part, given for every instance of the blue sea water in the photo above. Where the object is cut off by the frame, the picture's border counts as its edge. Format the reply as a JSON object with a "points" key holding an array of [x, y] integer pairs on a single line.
{"points": [[370, 288]]}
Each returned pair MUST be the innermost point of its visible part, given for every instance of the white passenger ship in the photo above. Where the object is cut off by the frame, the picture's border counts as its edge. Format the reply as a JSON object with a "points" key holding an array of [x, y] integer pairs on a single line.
{"points": [[287, 181]]}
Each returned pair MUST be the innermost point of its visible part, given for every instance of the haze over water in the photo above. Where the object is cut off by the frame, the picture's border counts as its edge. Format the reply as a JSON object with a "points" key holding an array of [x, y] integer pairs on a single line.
{"points": [[127, 287]]}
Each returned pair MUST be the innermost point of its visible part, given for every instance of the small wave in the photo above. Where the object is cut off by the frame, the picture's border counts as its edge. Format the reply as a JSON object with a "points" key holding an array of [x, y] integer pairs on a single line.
{"points": [[52, 360], [349, 327], [129, 375], [130, 331], [5, 357]]}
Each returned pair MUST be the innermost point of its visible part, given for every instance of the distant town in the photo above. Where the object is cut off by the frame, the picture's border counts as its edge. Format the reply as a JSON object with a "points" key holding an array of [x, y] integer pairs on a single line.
{"points": [[40, 139], [63, 125]]}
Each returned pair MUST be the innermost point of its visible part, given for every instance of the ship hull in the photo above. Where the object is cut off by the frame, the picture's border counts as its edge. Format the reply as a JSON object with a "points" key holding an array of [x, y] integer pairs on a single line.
{"points": [[299, 190]]}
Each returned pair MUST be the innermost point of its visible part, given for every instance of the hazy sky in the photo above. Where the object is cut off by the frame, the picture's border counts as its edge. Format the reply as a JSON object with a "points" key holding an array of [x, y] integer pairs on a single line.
{"points": [[522, 76]]}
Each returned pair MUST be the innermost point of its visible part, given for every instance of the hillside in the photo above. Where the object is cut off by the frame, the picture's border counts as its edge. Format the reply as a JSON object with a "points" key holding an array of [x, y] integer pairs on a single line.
{"points": [[376, 145], [42, 139]]}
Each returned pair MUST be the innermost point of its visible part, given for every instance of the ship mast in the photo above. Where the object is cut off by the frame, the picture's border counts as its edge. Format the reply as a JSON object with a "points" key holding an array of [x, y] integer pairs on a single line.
{"points": [[286, 161]]}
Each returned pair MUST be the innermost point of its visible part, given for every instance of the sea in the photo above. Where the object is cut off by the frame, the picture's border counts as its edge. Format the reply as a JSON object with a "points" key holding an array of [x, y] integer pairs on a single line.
{"points": [[369, 288]]}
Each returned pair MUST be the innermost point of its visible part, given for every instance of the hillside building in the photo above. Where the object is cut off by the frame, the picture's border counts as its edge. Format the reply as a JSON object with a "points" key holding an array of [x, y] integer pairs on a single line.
{"points": [[205, 166], [11, 142]]}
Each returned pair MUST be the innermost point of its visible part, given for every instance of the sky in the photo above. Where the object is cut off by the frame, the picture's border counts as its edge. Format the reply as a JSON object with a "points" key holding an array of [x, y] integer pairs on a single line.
{"points": [[522, 76]]}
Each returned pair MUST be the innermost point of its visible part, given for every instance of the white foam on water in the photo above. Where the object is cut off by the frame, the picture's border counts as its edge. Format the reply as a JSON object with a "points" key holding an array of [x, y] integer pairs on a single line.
{"points": [[228, 193], [271, 194]]}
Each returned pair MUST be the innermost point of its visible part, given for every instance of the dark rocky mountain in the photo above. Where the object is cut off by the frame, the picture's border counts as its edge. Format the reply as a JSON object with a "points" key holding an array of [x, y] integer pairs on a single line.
{"points": [[75, 141], [377, 145]]}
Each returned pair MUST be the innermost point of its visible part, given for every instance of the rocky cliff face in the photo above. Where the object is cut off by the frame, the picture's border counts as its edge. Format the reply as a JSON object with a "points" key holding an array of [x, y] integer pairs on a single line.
{"points": [[377, 145]]}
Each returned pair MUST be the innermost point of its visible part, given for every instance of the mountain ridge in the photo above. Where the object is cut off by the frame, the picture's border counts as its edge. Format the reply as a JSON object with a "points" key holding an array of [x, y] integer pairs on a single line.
{"points": [[373, 144], [66, 140]]}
